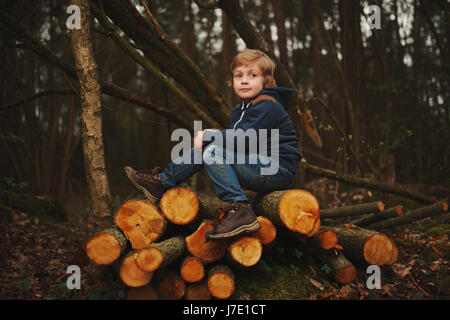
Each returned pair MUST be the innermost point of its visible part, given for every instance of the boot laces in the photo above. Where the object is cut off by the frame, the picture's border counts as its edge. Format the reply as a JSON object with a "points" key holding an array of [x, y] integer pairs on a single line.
{"points": [[225, 212]]}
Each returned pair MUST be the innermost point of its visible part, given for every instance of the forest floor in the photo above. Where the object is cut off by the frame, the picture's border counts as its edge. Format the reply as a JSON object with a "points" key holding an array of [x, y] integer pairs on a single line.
{"points": [[35, 254]]}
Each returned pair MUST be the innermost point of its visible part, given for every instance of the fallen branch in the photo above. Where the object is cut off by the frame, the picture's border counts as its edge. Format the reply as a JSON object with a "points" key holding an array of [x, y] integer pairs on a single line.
{"points": [[379, 216], [353, 210], [367, 183], [411, 216]]}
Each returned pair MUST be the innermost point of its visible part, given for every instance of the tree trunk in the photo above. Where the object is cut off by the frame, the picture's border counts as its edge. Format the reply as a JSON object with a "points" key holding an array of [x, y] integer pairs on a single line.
{"points": [[280, 20], [91, 117]]}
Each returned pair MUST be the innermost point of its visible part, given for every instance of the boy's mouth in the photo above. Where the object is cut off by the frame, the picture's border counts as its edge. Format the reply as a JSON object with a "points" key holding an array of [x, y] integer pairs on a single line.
{"points": [[245, 89]]}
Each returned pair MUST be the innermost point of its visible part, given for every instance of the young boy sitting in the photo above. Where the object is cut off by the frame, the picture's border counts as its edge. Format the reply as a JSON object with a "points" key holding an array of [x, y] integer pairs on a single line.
{"points": [[263, 109]]}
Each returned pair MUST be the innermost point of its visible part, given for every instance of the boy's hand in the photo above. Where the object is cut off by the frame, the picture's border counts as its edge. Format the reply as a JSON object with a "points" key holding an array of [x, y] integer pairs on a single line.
{"points": [[198, 140]]}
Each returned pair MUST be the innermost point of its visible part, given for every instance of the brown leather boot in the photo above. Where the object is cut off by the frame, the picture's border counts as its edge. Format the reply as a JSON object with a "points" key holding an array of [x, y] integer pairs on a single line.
{"points": [[233, 219], [147, 181]]}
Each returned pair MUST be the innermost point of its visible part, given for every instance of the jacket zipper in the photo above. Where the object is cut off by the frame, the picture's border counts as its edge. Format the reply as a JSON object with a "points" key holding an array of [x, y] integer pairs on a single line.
{"points": [[242, 115]]}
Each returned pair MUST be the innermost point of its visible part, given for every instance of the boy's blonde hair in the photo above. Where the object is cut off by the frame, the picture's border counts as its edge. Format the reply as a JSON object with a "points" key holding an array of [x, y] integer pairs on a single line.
{"points": [[251, 56]]}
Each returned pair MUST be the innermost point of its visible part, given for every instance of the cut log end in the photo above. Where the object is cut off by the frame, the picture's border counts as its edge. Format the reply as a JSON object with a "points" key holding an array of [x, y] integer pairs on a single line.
{"points": [[192, 269], [206, 251], [346, 274], [379, 250], [131, 275], [246, 251], [327, 239], [299, 210], [103, 248], [380, 206], [221, 282], [268, 232], [198, 291], [149, 259], [141, 222], [171, 287], [179, 205], [399, 210]]}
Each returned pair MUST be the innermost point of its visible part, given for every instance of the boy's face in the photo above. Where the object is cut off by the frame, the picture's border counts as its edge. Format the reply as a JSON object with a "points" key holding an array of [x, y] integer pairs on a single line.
{"points": [[248, 81]]}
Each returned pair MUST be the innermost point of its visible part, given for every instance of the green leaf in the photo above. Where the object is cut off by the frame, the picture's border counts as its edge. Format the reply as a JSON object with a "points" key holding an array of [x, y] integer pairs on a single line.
{"points": [[326, 268]]}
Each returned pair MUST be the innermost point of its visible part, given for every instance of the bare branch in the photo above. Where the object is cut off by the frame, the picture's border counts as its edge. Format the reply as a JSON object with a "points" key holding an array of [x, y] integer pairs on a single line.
{"points": [[37, 96]]}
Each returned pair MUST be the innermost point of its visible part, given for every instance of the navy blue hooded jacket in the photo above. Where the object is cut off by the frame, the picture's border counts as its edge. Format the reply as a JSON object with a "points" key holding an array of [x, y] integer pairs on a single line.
{"points": [[269, 114]]}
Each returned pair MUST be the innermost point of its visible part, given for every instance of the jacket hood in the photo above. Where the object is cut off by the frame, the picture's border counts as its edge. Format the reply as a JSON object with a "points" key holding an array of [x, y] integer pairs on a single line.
{"points": [[282, 95]]}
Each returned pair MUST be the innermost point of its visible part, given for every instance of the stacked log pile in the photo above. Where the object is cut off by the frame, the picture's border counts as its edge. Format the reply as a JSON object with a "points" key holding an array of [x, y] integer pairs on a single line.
{"points": [[155, 264]]}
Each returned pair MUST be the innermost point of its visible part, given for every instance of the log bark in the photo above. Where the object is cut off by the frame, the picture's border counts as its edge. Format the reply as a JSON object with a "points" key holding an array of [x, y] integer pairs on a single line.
{"points": [[179, 205], [268, 232], [366, 246], [160, 254], [141, 222], [91, 118], [246, 251], [353, 210], [106, 246], [192, 269], [221, 282], [198, 291], [171, 287], [130, 274], [296, 209], [206, 251], [368, 183], [375, 217], [343, 270], [411, 216]]}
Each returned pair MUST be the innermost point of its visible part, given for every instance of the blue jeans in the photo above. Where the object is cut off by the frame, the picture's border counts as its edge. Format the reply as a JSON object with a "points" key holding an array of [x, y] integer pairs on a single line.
{"points": [[228, 176]]}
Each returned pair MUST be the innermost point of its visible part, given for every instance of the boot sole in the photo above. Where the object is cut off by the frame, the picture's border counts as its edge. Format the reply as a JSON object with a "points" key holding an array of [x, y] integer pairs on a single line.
{"points": [[244, 229], [141, 188]]}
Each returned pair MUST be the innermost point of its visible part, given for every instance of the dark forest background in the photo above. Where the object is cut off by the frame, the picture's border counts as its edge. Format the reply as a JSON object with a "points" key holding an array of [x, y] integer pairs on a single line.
{"points": [[388, 88]]}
